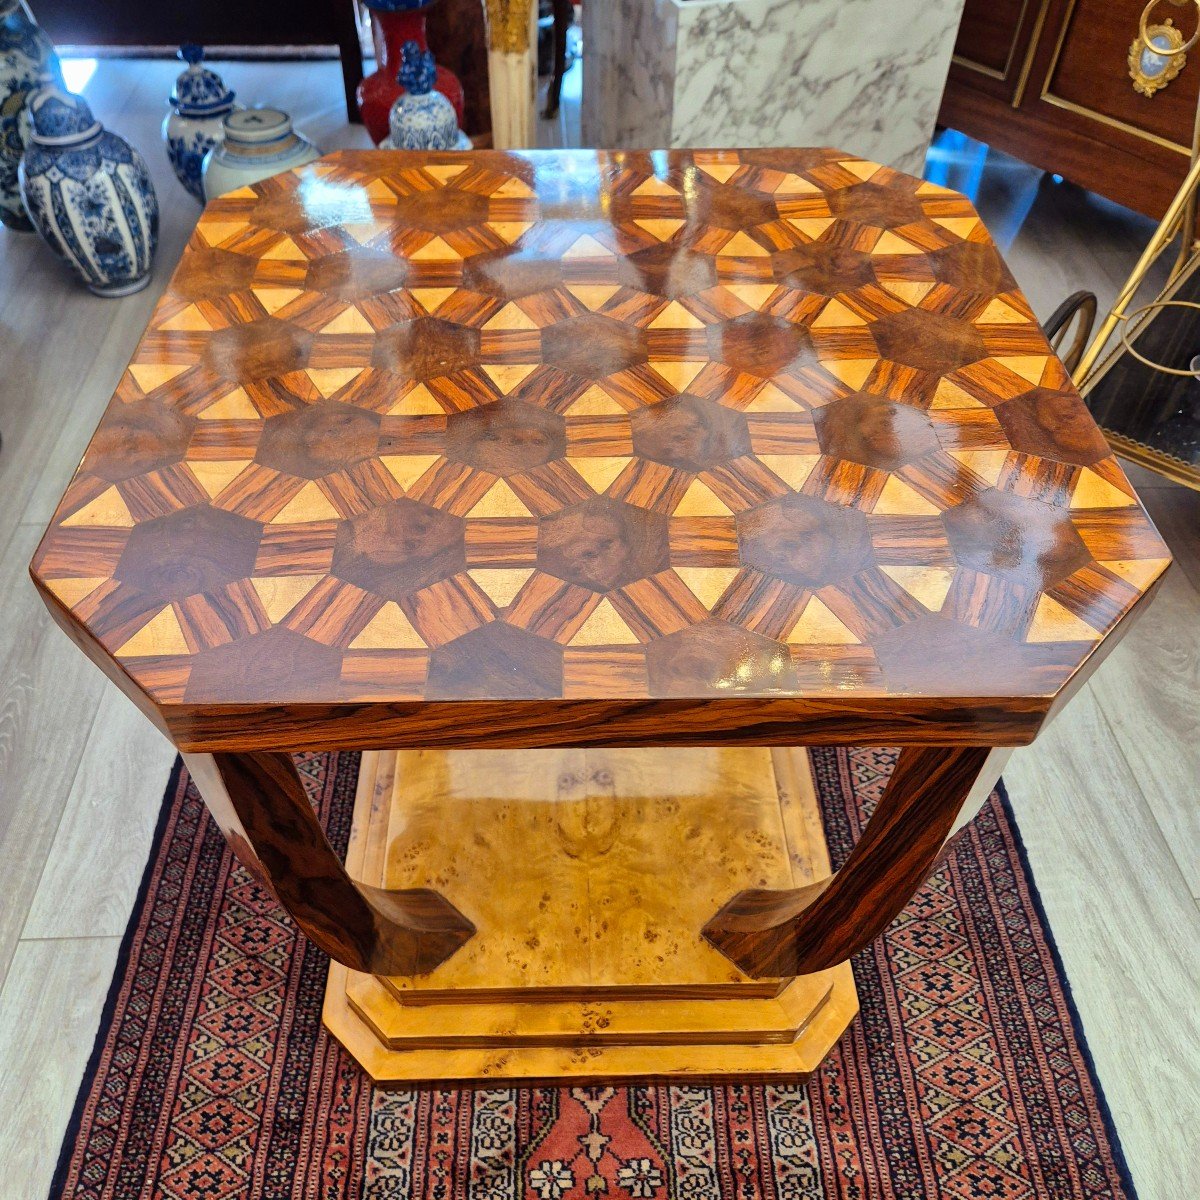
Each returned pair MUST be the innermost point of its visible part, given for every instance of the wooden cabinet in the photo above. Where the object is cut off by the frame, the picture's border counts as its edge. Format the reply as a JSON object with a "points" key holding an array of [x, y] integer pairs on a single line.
{"points": [[1048, 81]]}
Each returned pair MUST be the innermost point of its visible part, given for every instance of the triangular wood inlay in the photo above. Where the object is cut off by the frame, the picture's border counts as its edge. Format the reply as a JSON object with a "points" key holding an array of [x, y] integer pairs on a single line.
{"points": [[772, 398], [431, 299], [308, 504], [215, 476], [1141, 572], [511, 316], [595, 402], [1094, 491], [599, 472], [188, 320], [987, 464], [149, 376], [949, 395], [752, 295], [501, 584], [162, 635], [604, 627], [593, 296], [406, 469], [328, 380], [817, 626], [587, 247], [898, 499], [107, 511], [661, 229], [418, 402], [1054, 623], [1029, 366], [72, 591], [679, 374], [507, 376], [655, 187], [853, 371], [675, 316], [273, 299], [350, 320], [701, 501], [235, 406], [500, 501], [436, 250], [793, 469], [742, 245], [279, 594], [927, 585], [708, 584], [388, 629]]}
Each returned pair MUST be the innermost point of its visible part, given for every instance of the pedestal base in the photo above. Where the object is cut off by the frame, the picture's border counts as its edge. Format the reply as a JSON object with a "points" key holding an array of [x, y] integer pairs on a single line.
{"points": [[588, 876]]}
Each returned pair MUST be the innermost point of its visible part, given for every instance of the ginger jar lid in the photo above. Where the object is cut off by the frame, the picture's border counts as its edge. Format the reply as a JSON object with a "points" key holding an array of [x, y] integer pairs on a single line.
{"points": [[61, 118], [254, 126], [421, 118], [199, 92]]}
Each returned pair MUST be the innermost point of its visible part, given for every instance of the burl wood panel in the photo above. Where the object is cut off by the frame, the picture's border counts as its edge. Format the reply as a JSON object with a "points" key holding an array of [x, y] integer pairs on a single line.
{"points": [[568, 446], [612, 862], [588, 962]]}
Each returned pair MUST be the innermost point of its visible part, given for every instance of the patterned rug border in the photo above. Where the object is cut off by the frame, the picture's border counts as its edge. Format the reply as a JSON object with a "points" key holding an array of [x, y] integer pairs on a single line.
{"points": [[162, 822]]}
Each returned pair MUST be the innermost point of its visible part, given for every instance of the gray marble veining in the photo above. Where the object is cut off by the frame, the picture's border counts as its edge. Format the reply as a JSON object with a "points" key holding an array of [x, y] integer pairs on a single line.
{"points": [[864, 75], [628, 73]]}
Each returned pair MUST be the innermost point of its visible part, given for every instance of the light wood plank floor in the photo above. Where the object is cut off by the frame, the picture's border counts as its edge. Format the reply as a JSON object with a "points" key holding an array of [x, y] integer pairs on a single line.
{"points": [[1106, 799]]}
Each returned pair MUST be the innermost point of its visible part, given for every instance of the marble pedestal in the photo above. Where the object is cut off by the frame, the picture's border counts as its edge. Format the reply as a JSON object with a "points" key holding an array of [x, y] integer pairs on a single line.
{"points": [[865, 75]]}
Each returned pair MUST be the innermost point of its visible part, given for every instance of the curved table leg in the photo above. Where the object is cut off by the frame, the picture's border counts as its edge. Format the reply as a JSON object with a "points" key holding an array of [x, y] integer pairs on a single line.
{"points": [[259, 803], [783, 933]]}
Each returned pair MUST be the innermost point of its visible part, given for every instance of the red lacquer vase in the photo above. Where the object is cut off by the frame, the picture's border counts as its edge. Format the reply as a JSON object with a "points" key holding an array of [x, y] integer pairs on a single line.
{"points": [[394, 22]]}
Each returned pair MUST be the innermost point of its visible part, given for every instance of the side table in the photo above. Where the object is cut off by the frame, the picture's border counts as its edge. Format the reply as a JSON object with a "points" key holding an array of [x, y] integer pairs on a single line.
{"points": [[578, 489]]}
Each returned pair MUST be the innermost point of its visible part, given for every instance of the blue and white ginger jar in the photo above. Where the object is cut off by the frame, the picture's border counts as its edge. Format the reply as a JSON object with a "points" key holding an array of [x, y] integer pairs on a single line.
{"points": [[421, 118], [26, 55], [199, 105], [89, 194]]}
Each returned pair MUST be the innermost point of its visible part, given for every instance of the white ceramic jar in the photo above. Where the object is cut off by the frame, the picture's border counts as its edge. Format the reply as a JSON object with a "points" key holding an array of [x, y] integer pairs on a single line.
{"points": [[258, 143]]}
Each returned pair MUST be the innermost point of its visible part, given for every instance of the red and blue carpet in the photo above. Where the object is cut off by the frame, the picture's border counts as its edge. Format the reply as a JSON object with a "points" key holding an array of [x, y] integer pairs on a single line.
{"points": [[966, 1075]]}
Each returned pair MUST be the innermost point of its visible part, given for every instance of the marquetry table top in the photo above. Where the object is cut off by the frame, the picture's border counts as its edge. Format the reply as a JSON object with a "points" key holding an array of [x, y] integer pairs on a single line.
{"points": [[408, 430]]}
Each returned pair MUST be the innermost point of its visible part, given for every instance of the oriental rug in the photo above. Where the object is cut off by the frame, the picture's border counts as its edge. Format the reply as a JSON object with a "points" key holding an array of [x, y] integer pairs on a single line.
{"points": [[965, 1076]]}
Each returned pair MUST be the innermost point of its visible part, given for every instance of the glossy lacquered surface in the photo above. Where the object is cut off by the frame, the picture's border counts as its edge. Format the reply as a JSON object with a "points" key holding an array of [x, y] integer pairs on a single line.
{"points": [[598, 437]]}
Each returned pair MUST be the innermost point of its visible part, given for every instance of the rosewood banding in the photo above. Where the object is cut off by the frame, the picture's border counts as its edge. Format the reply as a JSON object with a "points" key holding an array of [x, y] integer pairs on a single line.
{"points": [[796, 932], [260, 805]]}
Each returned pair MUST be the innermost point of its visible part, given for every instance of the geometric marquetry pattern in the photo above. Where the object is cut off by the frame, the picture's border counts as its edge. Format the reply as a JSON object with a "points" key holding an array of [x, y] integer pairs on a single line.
{"points": [[591, 425]]}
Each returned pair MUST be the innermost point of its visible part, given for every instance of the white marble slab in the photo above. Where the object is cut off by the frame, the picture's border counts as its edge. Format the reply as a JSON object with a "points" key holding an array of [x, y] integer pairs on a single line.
{"points": [[863, 75]]}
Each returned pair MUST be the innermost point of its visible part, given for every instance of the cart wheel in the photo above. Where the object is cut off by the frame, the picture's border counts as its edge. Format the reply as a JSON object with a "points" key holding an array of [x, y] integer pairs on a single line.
{"points": [[1081, 305]]}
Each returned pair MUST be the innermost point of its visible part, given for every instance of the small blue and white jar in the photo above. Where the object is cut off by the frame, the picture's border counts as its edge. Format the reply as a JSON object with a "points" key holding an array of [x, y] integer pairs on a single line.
{"points": [[257, 143], [195, 124], [26, 55], [89, 194], [421, 118]]}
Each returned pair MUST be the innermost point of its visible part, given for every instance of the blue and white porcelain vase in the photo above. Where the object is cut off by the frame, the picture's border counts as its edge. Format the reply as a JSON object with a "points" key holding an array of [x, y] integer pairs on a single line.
{"points": [[258, 143], [26, 55], [89, 194], [199, 105], [421, 118]]}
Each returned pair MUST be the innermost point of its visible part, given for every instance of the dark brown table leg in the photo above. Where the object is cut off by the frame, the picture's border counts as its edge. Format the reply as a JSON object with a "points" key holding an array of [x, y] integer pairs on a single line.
{"points": [[796, 932], [259, 803], [564, 14], [350, 53]]}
